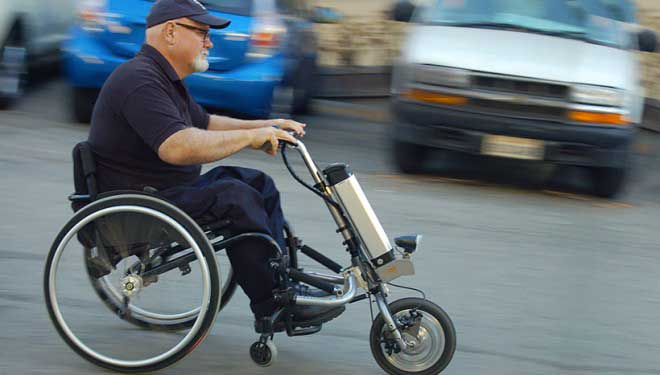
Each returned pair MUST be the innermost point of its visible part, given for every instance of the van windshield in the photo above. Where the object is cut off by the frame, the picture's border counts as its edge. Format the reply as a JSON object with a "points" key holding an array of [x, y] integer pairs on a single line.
{"points": [[594, 21]]}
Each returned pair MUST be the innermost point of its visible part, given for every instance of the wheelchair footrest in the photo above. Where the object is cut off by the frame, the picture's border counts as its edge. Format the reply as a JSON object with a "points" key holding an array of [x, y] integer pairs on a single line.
{"points": [[274, 323], [281, 321], [291, 331]]}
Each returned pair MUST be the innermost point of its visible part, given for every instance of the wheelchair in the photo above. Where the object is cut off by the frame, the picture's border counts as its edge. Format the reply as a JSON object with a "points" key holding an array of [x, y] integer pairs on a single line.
{"points": [[157, 274]]}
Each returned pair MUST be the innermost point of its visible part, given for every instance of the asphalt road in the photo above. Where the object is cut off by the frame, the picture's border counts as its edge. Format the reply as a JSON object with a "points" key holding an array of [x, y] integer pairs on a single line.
{"points": [[536, 281]]}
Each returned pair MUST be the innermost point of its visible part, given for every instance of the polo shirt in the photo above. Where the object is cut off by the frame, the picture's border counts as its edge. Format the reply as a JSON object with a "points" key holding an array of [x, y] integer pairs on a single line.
{"points": [[141, 104]]}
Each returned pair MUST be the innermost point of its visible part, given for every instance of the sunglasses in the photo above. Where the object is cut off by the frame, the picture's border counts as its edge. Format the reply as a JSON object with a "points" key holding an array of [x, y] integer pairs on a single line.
{"points": [[204, 33]]}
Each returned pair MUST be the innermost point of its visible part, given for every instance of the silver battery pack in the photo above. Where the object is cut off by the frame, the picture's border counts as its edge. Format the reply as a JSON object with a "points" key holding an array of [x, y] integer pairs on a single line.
{"points": [[346, 189]]}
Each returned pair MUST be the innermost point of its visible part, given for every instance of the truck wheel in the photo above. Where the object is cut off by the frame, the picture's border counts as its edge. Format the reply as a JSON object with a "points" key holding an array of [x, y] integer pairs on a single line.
{"points": [[408, 157], [83, 103], [608, 182]]}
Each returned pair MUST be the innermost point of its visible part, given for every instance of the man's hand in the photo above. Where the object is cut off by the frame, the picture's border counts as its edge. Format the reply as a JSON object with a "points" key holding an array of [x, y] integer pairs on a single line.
{"points": [[287, 124], [267, 139]]}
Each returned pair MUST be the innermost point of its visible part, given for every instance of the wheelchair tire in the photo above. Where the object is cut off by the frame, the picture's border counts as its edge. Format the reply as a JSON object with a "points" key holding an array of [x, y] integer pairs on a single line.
{"points": [[435, 347], [170, 217]]}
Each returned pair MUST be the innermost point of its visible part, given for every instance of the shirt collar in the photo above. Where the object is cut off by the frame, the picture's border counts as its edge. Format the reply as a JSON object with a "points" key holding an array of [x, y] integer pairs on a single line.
{"points": [[155, 55]]}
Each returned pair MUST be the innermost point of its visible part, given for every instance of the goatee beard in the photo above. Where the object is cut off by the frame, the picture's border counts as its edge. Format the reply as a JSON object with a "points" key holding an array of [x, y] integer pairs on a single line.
{"points": [[200, 64]]}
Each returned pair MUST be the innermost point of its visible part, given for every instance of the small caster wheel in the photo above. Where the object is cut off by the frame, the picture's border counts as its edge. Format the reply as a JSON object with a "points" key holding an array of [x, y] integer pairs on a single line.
{"points": [[263, 353]]}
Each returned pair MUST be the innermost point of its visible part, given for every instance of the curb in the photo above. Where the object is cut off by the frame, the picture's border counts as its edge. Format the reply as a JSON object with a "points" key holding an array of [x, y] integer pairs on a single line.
{"points": [[354, 82]]}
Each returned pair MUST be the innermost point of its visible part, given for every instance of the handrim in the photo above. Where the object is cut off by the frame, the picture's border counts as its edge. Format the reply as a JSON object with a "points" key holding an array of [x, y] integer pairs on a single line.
{"points": [[53, 295]]}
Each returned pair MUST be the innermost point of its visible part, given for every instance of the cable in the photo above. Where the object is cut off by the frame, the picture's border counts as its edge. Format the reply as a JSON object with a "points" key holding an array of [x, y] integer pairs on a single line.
{"points": [[409, 288], [371, 309], [303, 183]]}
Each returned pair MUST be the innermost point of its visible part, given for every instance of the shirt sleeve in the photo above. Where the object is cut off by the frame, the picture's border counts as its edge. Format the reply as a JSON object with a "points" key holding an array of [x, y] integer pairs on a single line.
{"points": [[152, 113], [200, 118]]}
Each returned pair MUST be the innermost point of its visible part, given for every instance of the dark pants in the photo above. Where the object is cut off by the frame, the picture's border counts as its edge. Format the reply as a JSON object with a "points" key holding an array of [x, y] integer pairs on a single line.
{"points": [[248, 198]]}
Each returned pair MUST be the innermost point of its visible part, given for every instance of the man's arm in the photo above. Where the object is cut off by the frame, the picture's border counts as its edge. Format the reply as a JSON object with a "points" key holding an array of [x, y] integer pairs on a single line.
{"points": [[227, 123], [196, 146], [153, 115]]}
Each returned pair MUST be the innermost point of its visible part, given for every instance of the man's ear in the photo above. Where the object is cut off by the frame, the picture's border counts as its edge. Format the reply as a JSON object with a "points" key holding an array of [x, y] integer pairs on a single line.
{"points": [[170, 33]]}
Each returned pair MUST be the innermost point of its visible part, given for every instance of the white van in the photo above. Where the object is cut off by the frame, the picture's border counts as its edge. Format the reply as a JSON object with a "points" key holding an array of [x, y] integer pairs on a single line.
{"points": [[549, 80]]}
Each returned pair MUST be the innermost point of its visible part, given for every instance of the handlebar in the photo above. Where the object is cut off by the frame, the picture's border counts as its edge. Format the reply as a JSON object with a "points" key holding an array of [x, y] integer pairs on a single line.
{"points": [[317, 189], [283, 143]]}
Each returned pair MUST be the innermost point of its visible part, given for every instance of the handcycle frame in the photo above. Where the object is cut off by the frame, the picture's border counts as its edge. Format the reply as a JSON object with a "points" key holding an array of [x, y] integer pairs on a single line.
{"points": [[286, 263]]}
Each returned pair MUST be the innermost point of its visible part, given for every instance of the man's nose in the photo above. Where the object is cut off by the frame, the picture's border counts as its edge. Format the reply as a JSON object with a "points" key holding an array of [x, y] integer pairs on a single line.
{"points": [[208, 44]]}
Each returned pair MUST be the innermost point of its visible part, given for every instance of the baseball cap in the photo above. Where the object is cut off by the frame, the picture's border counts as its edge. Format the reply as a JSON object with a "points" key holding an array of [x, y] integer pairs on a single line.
{"points": [[166, 10]]}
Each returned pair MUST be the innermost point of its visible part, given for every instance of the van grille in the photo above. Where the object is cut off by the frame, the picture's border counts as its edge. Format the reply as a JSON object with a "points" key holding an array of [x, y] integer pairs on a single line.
{"points": [[502, 95], [535, 89], [517, 110]]}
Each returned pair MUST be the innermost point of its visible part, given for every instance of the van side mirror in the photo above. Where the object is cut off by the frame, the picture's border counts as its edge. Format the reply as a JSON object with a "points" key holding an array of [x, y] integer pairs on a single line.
{"points": [[648, 40], [403, 11]]}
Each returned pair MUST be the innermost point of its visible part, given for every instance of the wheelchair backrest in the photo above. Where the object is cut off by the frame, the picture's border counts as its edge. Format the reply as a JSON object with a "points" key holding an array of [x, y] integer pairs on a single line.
{"points": [[84, 176]]}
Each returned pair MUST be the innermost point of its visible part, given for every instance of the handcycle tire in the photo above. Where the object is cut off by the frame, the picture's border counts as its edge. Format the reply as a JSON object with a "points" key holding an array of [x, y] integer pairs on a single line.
{"points": [[437, 323], [185, 227]]}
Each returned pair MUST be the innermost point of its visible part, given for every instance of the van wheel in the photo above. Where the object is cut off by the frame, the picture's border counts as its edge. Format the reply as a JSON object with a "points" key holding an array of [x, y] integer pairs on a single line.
{"points": [[409, 157], [83, 103], [608, 182]]}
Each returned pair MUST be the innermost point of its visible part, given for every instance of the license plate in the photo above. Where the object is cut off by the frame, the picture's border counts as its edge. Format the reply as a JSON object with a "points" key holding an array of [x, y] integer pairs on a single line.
{"points": [[511, 147]]}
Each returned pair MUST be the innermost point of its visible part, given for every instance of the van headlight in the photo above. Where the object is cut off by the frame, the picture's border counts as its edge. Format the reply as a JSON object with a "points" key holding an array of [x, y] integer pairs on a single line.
{"points": [[597, 95]]}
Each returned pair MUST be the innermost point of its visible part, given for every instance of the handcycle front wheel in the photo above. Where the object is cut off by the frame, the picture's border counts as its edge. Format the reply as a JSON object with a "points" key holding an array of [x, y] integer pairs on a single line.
{"points": [[426, 326], [122, 231]]}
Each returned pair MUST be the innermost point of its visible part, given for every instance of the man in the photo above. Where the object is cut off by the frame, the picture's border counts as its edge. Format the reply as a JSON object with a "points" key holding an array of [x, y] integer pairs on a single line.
{"points": [[148, 132]]}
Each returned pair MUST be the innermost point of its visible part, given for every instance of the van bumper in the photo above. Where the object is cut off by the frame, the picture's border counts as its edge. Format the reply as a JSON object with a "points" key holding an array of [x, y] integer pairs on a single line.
{"points": [[591, 145]]}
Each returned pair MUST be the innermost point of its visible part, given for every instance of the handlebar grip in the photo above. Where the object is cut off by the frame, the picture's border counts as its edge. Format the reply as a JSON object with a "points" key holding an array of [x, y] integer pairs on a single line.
{"points": [[285, 143]]}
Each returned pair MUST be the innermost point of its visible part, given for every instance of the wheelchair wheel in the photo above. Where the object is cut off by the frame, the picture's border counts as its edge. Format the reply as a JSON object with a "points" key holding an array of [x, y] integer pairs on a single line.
{"points": [[109, 292], [158, 261], [422, 323]]}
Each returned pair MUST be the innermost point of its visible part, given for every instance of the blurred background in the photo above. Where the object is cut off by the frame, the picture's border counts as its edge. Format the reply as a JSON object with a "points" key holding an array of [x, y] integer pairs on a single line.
{"points": [[521, 137]]}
